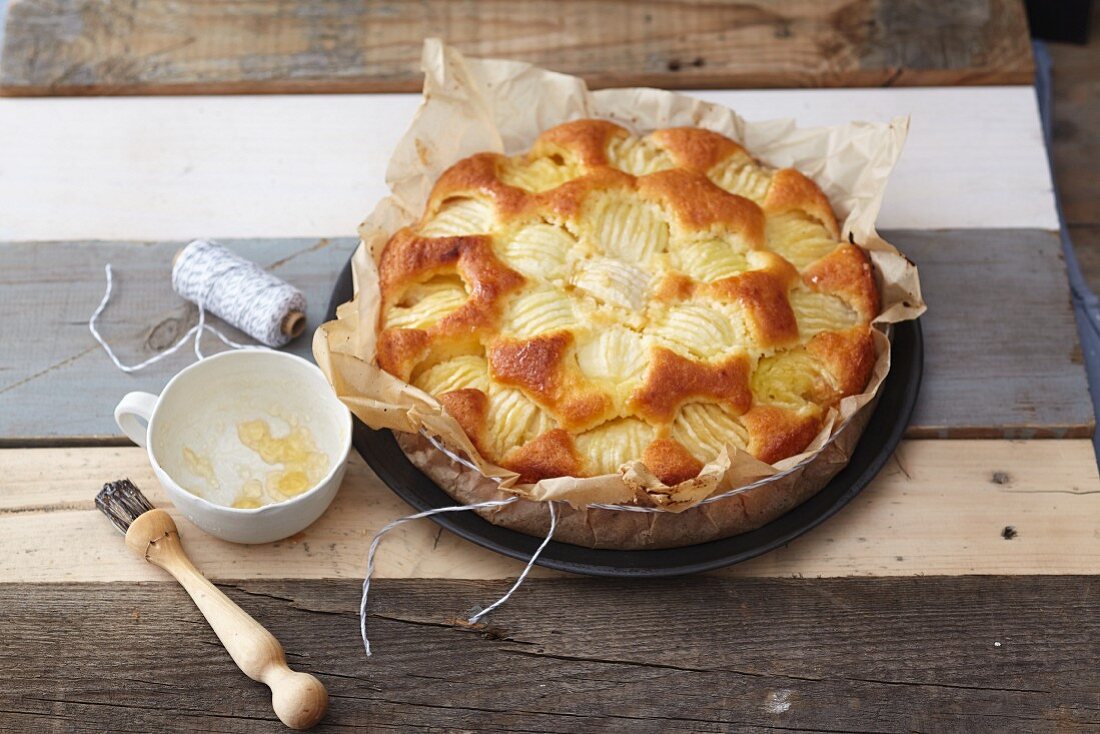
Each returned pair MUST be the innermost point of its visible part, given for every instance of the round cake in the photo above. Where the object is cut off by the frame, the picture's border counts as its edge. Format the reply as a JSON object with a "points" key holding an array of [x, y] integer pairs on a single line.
{"points": [[607, 298]]}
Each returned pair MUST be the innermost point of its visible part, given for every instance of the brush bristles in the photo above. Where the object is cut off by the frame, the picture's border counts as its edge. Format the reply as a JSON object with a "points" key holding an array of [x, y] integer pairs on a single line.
{"points": [[122, 503]]}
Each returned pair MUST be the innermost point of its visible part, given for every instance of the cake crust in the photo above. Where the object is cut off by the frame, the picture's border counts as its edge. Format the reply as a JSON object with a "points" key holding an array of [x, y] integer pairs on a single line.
{"points": [[607, 298]]}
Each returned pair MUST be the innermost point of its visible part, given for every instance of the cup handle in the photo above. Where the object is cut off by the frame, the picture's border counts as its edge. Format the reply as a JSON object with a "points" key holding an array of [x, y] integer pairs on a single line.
{"points": [[132, 415]]}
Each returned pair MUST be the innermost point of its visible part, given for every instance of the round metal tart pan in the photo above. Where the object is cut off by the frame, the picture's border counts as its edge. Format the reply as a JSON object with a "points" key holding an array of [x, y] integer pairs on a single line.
{"points": [[885, 428]]}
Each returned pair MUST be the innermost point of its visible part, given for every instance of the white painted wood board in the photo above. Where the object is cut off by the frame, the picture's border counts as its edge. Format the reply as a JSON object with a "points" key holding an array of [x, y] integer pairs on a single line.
{"points": [[314, 165]]}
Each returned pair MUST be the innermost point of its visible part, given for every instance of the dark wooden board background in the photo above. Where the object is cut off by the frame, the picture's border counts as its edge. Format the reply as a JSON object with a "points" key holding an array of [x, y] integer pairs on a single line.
{"points": [[1075, 150], [254, 46], [1002, 354], [976, 654]]}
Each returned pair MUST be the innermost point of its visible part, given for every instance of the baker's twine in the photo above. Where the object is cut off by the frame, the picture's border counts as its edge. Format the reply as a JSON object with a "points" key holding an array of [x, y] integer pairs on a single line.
{"points": [[438, 511], [462, 460], [236, 290]]}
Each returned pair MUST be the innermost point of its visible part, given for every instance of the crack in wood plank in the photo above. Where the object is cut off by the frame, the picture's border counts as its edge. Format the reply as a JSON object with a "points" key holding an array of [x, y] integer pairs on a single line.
{"points": [[770, 675], [599, 716], [293, 602], [1075, 492], [485, 630], [176, 711], [318, 245], [999, 689], [56, 365], [47, 508]]}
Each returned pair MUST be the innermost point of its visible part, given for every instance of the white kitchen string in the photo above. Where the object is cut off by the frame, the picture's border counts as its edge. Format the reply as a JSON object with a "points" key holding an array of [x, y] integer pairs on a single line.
{"points": [[436, 511], [458, 458], [236, 290], [462, 460], [526, 569]]}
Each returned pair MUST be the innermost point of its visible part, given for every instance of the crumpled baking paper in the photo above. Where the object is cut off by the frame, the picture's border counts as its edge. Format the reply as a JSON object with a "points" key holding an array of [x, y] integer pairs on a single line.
{"points": [[474, 105]]}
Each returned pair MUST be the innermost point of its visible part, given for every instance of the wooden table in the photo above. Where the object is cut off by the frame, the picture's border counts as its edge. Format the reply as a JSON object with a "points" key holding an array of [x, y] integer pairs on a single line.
{"points": [[957, 592]]}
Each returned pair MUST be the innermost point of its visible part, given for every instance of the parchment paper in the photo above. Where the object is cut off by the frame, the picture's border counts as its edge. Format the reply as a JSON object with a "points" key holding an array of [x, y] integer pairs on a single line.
{"points": [[474, 105]]}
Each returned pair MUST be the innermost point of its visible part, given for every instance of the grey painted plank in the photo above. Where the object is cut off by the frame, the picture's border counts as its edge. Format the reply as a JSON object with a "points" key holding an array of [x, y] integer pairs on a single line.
{"points": [[701, 654], [1001, 343], [57, 384], [1002, 352]]}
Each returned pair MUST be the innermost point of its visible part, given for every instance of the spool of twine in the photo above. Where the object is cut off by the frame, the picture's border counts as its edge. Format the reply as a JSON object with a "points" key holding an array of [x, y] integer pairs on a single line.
{"points": [[239, 292]]}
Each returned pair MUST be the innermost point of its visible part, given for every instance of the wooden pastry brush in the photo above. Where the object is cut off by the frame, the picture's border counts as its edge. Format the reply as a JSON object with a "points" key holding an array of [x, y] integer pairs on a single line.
{"points": [[299, 699]]}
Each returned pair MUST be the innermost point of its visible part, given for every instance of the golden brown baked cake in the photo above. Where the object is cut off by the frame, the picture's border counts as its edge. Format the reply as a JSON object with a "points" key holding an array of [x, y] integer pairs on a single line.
{"points": [[608, 297]]}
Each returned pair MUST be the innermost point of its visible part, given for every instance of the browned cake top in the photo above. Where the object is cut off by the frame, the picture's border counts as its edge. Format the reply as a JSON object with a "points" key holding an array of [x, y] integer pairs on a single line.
{"points": [[608, 297]]}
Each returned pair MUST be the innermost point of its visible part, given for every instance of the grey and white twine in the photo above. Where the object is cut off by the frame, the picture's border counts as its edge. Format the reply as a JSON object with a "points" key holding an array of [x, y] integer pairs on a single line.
{"points": [[463, 461], [237, 291], [219, 281], [437, 511]]}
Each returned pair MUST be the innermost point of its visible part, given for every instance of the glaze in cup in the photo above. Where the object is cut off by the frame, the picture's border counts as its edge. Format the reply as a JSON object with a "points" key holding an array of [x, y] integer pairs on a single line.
{"points": [[225, 389]]}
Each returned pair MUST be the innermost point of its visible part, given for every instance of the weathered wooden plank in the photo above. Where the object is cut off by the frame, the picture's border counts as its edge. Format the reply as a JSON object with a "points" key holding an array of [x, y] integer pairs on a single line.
{"points": [[1001, 359], [980, 654], [940, 508], [172, 168], [1076, 77], [1076, 112], [247, 46], [1086, 241], [1001, 342], [57, 384]]}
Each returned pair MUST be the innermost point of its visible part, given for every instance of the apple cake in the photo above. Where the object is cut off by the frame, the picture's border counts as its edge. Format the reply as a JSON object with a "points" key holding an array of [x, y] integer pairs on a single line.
{"points": [[608, 297]]}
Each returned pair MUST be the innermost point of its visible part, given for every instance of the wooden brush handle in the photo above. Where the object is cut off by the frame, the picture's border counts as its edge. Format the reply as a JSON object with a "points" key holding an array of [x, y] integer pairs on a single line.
{"points": [[299, 699]]}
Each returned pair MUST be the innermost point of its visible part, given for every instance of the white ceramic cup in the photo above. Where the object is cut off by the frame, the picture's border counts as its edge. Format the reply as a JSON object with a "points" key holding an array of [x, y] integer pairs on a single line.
{"points": [[212, 396]]}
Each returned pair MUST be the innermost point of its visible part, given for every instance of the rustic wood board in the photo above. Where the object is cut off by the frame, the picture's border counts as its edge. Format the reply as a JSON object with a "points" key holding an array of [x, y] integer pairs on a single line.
{"points": [[1002, 351], [314, 165], [939, 508], [248, 47], [1002, 357], [980, 654], [1076, 78], [1086, 242], [1076, 116]]}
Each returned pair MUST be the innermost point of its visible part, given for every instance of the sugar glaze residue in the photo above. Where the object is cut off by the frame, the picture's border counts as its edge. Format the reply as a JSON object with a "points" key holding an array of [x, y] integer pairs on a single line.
{"points": [[269, 463], [302, 464]]}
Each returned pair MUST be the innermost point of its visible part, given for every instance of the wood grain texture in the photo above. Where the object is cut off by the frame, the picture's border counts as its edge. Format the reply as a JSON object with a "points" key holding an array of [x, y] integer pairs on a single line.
{"points": [[248, 46], [1002, 357], [163, 168], [975, 654], [940, 507], [1002, 351]]}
